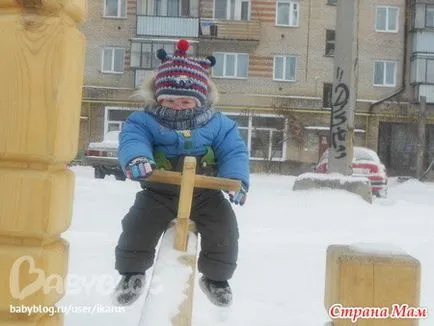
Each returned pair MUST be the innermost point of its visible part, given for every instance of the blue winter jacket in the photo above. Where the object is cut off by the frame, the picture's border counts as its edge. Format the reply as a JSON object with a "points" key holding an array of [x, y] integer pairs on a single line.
{"points": [[142, 135]]}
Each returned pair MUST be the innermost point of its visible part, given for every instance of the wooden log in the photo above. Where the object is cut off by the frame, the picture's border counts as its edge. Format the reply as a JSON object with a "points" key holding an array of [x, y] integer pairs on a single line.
{"points": [[46, 320], [364, 279], [40, 98]]}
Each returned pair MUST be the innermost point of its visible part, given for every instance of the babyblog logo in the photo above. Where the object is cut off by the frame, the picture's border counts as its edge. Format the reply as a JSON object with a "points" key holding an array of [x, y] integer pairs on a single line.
{"points": [[21, 286], [41, 281]]}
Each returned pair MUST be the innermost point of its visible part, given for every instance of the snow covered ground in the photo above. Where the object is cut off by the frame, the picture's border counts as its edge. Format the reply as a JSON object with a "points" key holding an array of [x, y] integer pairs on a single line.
{"points": [[283, 240]]}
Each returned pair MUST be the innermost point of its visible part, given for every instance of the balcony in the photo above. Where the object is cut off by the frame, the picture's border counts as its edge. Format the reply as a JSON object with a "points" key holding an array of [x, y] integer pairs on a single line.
{"points": [[428, 91], [230, 29], [167, 26], [423, 41], [423, 15]]}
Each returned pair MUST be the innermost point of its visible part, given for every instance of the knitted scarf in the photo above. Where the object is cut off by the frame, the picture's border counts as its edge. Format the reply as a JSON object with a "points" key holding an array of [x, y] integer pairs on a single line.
{"points": [[181, 119]]}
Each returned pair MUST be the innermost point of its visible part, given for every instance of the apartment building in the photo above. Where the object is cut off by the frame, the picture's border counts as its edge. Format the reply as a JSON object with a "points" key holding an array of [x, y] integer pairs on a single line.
{"points": [[274, 67]]}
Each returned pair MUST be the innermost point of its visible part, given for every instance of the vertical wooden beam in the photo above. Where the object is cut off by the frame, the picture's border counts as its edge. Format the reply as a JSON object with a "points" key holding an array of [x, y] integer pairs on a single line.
{"points": [[185, 200], [40, 94]]}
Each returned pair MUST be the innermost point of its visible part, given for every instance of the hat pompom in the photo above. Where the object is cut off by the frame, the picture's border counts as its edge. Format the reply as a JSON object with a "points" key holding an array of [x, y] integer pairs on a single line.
{"points": [[183, 45], [161, 54], [212, 60]]}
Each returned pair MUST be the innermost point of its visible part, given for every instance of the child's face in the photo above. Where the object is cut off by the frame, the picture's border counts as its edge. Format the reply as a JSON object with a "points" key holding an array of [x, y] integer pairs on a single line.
{"points": [[179, 103]]}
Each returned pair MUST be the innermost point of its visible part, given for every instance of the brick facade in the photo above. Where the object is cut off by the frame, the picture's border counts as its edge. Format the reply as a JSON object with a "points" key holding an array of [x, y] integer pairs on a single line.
{"points": [[302, 99]]}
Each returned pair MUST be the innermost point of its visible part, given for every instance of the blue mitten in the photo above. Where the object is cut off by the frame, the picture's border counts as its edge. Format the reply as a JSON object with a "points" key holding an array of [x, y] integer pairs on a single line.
{"points": [[139, 168], [238, 197]]}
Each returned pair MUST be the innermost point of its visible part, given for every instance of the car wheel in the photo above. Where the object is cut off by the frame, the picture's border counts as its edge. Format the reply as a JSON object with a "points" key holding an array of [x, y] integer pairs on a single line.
{"points": [[120, 177], [99, 173]]}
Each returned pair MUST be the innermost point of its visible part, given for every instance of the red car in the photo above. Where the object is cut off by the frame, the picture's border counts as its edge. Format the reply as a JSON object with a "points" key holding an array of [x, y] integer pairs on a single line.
{"points": [[366, 163]]}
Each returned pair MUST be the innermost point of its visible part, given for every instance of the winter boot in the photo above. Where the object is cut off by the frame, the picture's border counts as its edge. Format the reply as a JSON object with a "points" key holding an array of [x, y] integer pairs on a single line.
{"points": [[129, 289], [218, 292]]}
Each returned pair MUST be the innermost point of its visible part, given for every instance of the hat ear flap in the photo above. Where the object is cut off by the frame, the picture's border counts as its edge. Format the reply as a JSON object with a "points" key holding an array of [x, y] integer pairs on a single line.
{"points": [[162, 54]]}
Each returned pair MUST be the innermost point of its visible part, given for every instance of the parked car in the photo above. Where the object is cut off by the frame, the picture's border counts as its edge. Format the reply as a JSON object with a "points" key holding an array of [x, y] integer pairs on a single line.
{"points": [[366, 163], [102, 156]]}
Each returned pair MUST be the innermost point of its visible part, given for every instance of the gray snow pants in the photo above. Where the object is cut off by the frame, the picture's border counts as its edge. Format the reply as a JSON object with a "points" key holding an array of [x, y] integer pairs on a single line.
{"points": [[152, 212]]}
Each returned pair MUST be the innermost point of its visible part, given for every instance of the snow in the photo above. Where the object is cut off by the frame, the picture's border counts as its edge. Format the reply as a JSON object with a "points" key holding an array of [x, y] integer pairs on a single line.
{"points": [[381, 249], [111, 141], [332, 177], [328, 128], [167, 288], [284, 236]]}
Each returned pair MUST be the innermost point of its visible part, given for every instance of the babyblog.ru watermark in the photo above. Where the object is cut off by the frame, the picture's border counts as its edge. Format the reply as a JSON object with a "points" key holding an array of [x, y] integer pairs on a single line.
{"points": [[68, 309], [24, 269], [396, 311]]}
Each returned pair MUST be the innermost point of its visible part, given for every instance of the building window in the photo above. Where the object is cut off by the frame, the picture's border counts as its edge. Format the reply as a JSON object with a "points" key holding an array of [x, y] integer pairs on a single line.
{"points": [[231, 65], [387, 19], [232, 9], [287, 13], [284, 68], [169, 8], [327, 95], [422, 70], [115, 117], [113, 60], [115, 8], [385, 73], [330, 43], [429, 20], [332, 2], [265, 136], [143, 54], [430, 71]]}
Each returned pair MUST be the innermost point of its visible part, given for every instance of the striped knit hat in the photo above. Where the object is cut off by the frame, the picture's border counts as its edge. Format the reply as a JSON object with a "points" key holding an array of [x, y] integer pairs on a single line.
{"points": [[180, 76]]}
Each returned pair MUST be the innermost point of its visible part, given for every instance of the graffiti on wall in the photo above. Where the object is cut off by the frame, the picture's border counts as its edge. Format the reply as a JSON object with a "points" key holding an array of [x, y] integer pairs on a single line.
{"points": [[338, 130]]}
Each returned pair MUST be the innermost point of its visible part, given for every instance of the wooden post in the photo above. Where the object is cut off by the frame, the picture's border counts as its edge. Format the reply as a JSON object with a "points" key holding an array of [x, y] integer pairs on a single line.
{"points": [[381, 282], [40, 97], [421, 143], [184, 205]]}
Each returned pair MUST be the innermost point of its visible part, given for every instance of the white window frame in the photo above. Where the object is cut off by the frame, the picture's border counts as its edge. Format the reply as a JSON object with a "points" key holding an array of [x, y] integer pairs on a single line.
{"points": [[284, 68], [112, 71], [387, 30], [120, 14], [291, 11], [384, 73], [250, 129], [429, 7], [237, 11], [118, 122], [225, 54]]}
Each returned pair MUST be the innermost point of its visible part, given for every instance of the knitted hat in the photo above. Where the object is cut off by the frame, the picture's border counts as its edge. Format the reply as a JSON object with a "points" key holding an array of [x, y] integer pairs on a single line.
{"points": [[180, 76]]}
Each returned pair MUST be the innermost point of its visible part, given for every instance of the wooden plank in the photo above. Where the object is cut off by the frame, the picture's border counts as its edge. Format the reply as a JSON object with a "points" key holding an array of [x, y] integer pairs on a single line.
{"points": [[185, 200], [201, 181], [185, 314]]}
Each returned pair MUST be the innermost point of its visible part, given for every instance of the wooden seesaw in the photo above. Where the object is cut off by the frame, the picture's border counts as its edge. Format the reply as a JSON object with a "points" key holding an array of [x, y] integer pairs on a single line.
{"points": [[176, 258]]}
